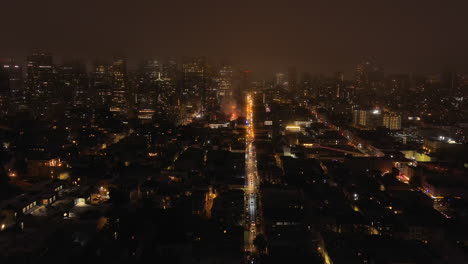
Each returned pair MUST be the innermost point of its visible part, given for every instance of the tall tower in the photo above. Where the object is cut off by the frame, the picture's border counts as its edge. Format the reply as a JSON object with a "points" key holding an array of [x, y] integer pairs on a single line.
{"points": [[369, 76], [279, 79], [449, 80], [225, 80], [41, 78], [74, 82], [339, 82], [194, 81], [306, 84], [292, 79], [101, 83], [15, 77], [119, 84], [4, 89]]}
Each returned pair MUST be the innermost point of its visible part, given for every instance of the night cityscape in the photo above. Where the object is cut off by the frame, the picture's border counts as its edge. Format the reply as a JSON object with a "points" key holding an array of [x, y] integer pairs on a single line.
{"points": [[208, 132]]}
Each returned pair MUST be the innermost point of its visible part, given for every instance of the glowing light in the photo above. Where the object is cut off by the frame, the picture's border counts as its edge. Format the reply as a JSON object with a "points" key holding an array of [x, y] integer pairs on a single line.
{"points": [[293, 128], [355, 197]]}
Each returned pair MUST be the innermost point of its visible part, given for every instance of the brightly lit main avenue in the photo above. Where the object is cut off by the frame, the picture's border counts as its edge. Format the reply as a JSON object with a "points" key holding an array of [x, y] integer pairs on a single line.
{"points": [[251, 190]]}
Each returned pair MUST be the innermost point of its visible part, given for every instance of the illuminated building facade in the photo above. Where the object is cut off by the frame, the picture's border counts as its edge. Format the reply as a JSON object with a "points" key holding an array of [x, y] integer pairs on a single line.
{"points": [[369, 76], [392, 121], [224, 81], [101, 82], [194, 81], [41, 78], [119, 85], [367, 118]]}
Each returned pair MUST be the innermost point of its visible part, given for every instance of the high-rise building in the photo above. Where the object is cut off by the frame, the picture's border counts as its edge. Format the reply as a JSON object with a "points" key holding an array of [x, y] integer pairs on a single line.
{"points": [[41, 78], [148, 85], [375, 118], [292, 79], [280, 79], [369, 76], [119, 85], [167, 104], [169, 70], [194, 72], [74, 82], [101, 83], [398, 84], [4, 89], [15, 75], [101, 74], [151, 70], [367, 118], [449, 80], [338, 81], [169, 77], [224, 80], [306, 84], [392, 121]]}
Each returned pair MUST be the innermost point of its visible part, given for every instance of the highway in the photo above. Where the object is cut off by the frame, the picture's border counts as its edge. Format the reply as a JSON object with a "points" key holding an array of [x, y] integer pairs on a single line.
{"points": [[251, 188]]}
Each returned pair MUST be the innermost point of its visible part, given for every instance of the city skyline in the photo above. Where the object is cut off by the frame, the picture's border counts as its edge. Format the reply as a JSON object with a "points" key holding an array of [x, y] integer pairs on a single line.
{"points": [[261, 132], [420, 36]]}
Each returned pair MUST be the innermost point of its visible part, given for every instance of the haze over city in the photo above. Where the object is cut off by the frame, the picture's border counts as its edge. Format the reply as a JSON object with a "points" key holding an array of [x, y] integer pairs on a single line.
{"points": [[252, 132], [317, 36]]}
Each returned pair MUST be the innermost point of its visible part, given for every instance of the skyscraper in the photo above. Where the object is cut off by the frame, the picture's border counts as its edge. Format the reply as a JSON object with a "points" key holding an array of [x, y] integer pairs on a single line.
{"points": [[339, 83], [225, 80], [292, 79], [369, 76], [152, 70], [169, 78], [74, 82], [148, 84], [15, 76], [279, 79], [119, 85], [449, 80], [101, 83], [4, 89], [194, 80], [41, 78], [305, 84]]}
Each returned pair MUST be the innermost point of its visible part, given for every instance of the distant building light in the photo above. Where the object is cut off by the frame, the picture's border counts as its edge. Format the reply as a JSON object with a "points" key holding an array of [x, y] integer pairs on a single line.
{"points": [[293, 128], [355, 197]]}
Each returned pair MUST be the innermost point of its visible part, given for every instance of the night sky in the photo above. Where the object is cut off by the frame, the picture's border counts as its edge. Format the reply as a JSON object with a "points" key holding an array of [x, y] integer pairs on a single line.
{"points": [[316, 36]]}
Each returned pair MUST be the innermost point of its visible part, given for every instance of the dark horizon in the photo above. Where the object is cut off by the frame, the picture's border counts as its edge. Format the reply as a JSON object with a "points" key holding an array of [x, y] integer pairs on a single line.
{"points": [[402, 36]]}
